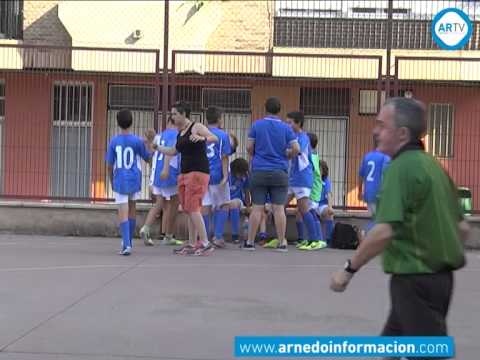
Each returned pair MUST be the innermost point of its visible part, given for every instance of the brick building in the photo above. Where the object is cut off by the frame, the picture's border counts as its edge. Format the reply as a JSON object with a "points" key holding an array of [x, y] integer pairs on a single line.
{"points": [[326, 58]]}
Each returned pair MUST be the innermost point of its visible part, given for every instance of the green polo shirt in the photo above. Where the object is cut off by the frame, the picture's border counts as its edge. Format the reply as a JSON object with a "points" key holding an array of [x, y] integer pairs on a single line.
{"points": [[317, 179], [419, 201]]}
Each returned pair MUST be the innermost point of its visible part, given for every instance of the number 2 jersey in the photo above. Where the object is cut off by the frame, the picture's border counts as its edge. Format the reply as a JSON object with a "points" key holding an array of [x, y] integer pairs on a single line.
{"points": [[124, 153], [167, 138]]}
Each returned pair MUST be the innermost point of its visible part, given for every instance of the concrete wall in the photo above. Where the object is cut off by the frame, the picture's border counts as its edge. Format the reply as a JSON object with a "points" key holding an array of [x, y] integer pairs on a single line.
{"points": [[101, 220]]}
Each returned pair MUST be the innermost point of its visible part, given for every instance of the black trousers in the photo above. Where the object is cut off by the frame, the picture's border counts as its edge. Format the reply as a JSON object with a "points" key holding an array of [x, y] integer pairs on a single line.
{"points": [[419, 305]]}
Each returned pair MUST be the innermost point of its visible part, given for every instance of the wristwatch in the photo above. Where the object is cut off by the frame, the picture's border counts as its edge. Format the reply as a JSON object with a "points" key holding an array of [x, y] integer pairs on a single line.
{"points": [[348, 267]]}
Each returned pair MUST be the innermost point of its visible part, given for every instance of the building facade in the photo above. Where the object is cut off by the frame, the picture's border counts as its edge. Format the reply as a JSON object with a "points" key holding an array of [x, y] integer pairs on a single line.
{"points": [[67, 67]]}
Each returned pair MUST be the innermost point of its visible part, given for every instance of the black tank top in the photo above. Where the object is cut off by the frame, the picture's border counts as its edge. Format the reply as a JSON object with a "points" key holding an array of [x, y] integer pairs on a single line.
{"points": [[193, 156]]}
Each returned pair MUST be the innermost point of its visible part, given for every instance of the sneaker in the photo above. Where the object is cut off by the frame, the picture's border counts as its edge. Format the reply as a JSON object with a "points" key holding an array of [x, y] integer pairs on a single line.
{"points": [[127, 251], [220, 244], [305, 245], [248, 247], [204, 250], [317, 245], [185, 250], [272, 244], [147, 240], [282, 248], [302, 243], [171, 242]]}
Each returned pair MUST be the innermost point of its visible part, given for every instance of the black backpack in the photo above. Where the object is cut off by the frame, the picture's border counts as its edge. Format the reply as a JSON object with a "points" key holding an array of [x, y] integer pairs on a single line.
{"points": [[345, 236]]}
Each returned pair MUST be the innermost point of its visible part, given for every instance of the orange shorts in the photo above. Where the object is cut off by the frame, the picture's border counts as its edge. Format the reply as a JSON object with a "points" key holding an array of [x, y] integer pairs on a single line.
{"points": [[192, 187]]}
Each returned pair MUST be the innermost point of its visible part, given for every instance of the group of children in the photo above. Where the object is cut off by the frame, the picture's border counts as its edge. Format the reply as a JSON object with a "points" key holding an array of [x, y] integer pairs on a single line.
{"points": [[228, 191]]}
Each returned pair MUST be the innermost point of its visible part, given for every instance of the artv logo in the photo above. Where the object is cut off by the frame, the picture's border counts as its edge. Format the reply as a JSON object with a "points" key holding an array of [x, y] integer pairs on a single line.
{"points": [[451, 29]]}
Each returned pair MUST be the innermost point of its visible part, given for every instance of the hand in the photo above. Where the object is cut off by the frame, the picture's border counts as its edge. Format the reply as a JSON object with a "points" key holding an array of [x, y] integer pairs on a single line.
{"points": [[164, 175], [150, 135], [196, 138], [340, 280], [360, 196]]}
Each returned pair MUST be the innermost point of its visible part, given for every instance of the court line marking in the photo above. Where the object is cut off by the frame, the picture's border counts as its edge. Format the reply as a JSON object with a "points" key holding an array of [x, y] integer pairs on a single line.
{"points": [[189, 265]]}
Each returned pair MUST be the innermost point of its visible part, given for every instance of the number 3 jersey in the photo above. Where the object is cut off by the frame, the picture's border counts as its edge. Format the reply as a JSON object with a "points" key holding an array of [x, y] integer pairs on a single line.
{"points": [[124, 153], [215, 152], [167, 138]]}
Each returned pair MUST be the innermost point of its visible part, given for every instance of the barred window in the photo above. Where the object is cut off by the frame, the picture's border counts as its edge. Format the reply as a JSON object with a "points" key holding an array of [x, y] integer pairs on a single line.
{"points": [[440, 130]]}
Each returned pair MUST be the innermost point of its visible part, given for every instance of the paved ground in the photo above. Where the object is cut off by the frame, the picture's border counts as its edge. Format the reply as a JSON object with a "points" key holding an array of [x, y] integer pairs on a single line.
{"points": [[73, 298]]}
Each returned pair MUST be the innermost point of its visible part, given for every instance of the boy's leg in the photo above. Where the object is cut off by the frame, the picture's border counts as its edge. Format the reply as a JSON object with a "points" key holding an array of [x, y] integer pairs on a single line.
{"points": [[171, 215], [132, 218], [308, 219], [300, 227], [235, 206], [122, 201], [151, 218]]}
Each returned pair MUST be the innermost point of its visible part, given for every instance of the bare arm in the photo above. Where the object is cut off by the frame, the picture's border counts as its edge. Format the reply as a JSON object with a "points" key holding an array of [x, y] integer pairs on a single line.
{"points": [[224, 170], [360, 189], [250, 146], [294, 150], [375, 242], [166, 167], [201, 133], [377, 239], [110, 174], [171, 151]]}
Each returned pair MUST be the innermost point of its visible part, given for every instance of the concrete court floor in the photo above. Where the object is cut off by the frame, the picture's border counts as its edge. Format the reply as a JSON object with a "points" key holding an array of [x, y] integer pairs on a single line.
{"points": [[75, 299]]}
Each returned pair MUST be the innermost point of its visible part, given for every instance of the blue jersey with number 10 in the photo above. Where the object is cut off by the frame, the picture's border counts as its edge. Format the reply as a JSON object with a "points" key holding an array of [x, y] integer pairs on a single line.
{"points": [[124, 153], [215, 152]]}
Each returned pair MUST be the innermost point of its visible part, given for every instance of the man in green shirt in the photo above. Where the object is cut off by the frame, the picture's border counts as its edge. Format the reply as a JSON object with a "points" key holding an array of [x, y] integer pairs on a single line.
{"points": [[419, 227]]}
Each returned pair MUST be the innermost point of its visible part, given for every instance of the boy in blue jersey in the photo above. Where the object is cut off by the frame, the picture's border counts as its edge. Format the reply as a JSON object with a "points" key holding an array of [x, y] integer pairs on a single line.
{"points": [[325, 210], [239, 194], [218, 196], [371, 172], [301, 179], [164, 188], [123, 159]]}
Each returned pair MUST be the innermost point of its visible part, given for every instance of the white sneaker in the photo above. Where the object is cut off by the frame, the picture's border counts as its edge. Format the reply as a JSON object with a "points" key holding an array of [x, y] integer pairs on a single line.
{"points": [[126, 252], [147, 240]]}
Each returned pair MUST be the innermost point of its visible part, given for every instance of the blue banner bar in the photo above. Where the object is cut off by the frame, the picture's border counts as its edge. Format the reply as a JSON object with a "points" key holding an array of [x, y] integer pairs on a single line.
{"points": [[343, 346]]}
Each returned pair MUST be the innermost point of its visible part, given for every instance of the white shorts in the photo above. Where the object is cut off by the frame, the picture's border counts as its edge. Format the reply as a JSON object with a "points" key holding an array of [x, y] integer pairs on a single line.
{"points": [[372, 208], [125, 198], [321, 209], [235, 202], [167, 192], [217, 195], [299, 192]]}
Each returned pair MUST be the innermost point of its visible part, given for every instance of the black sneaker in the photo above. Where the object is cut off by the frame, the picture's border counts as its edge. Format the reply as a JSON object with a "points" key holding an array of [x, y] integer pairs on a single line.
{"points": [[248, 247], [282, 248]]}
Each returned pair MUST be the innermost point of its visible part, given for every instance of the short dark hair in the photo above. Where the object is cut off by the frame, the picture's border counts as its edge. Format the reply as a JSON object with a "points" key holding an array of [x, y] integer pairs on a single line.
{"points": [[213, 115], [409, 113], [239, 166], [297, 117], [324, 169], [313, 140], [124, 119], [273, 105], [184, 108]]}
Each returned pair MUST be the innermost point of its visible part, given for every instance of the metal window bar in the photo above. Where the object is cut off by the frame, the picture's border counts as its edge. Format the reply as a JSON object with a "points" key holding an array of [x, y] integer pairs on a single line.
{"points": [[440, 130]]}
